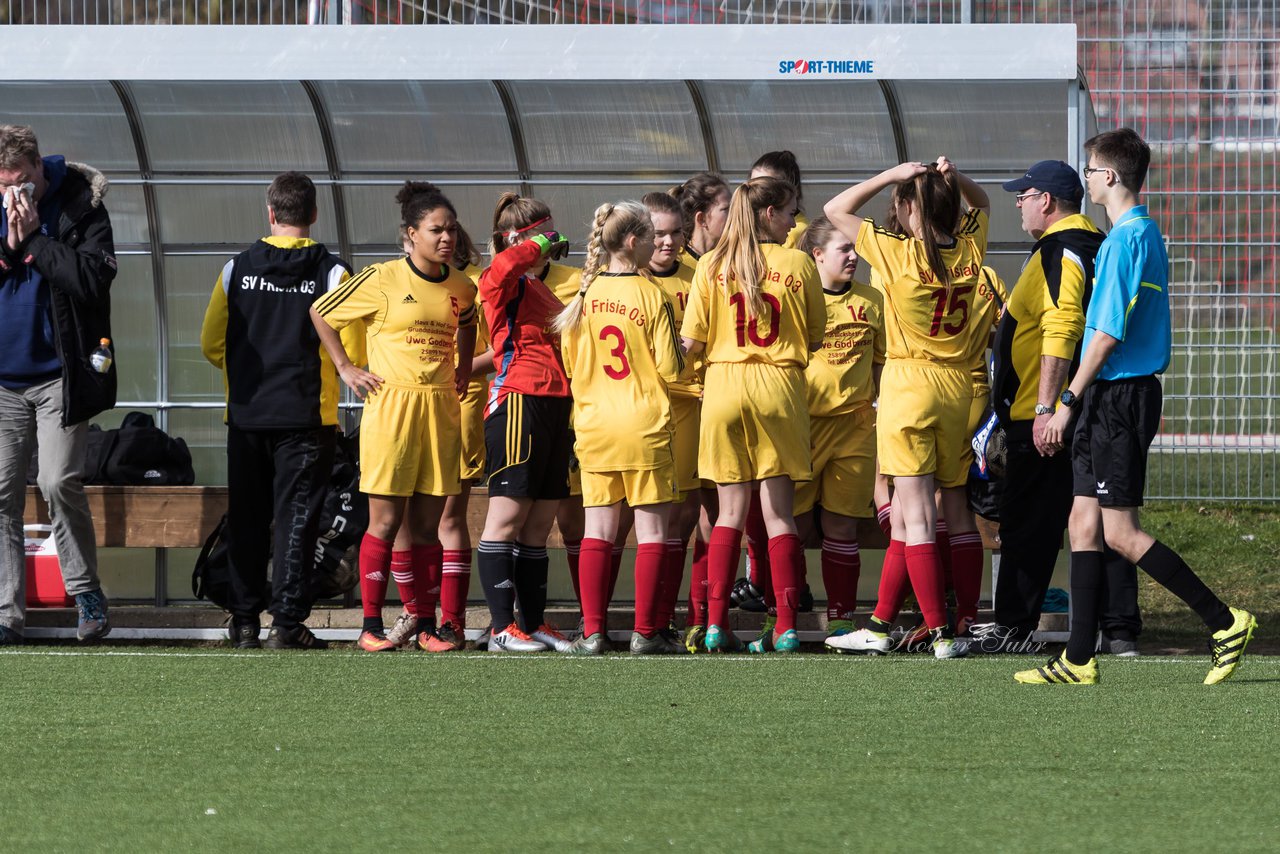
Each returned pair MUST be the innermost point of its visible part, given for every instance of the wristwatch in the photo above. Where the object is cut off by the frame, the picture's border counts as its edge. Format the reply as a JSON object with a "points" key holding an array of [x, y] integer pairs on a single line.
{"points": [[1068, 399], [1043, 409]]}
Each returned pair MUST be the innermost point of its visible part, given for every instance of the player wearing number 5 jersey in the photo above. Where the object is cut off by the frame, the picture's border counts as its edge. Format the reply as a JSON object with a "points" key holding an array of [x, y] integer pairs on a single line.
{"points": [[620, 351], [757, 310], [930, 277]]}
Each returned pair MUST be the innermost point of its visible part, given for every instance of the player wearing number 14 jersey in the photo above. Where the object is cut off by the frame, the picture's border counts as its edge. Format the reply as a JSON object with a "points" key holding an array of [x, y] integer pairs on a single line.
{"points": [[756, 308], [930, 276]]}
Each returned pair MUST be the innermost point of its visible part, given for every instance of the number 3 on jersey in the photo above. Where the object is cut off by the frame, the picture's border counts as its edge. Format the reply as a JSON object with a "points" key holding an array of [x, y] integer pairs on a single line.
{"points": [[950, 301], [619, 351], [747, 327]]}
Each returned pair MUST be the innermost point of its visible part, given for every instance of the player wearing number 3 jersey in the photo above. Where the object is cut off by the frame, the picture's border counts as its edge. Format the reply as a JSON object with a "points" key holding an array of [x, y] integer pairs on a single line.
{"points": [[930, 276], [757, 309], [620, 350]]}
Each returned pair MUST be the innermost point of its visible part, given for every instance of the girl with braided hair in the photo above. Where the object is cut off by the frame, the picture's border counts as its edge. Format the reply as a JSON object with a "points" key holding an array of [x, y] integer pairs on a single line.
{"points": [[620, 351]]}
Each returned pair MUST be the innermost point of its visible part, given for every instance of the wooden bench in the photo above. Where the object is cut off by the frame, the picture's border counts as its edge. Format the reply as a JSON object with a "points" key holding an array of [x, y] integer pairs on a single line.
{"points": [[162, 517]]}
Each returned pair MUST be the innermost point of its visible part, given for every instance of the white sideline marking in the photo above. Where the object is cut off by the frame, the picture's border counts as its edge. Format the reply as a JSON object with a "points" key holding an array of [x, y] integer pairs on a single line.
{"points": [[272, 655]]}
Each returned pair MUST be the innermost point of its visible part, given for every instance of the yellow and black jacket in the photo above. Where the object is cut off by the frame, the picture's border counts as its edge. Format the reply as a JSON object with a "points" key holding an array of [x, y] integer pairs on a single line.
{"points": [[1045, 316]]}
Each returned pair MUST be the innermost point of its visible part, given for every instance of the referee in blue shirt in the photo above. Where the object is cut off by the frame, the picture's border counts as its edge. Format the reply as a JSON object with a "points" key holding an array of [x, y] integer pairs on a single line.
{"points": [[1114, 401]]}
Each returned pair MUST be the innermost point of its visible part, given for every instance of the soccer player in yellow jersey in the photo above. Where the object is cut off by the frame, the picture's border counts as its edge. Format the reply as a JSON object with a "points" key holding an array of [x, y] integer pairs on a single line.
{"points": [[783, 165], [756, 309], [704, 208], [931, 276], [620, 351], [418, 314], [676, 280], [842, 380], [452, 586]]}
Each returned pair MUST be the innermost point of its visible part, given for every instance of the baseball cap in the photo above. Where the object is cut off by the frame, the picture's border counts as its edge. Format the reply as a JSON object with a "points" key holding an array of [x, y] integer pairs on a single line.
{"points": [[1050, 176]]}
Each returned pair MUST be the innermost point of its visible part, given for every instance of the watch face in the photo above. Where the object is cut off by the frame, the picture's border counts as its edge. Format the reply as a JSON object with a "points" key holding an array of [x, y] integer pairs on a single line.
{"points": [[1068, 399]]}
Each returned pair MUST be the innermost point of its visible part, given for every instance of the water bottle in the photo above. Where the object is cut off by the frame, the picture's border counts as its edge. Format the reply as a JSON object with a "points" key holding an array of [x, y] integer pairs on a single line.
{"points": [[100, 358]]}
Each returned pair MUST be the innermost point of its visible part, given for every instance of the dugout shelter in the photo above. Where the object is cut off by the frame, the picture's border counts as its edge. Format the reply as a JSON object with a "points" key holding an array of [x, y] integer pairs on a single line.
{"points": [[191, 123]]}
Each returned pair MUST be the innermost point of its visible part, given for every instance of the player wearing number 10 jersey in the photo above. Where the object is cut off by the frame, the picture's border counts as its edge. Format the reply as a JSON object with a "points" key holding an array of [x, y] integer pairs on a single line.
{"points": [[930, 276], [757, 309]]}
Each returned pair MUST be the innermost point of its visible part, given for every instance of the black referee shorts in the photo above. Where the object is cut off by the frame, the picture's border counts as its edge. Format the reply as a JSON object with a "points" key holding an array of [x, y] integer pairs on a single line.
{"points": [[1118, 421], [527, 445]]}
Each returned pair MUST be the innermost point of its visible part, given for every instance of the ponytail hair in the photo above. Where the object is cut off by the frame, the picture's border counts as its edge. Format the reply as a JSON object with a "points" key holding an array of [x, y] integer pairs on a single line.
{"points": [[737, 259], [514, 214], [781, 164], [662, 203], [610, 228], [696, 196], [937, 199]]}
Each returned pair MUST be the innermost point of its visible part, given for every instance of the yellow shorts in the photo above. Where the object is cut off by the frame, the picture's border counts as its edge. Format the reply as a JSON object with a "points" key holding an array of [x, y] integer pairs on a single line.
{"points": [[410, 441], [977, 409], [844, 465], [755, 423], [637, 488], [923, 421], [684, 442], [473, 433]]}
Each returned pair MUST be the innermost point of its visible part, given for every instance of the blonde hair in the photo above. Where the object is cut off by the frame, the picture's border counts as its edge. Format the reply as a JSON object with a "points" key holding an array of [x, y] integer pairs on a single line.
{"points": [[737, 257], [610, 228]]}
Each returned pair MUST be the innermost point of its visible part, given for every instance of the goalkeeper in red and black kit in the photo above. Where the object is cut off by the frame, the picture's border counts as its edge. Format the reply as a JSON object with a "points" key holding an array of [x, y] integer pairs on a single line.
{"points": [[282, 411]]}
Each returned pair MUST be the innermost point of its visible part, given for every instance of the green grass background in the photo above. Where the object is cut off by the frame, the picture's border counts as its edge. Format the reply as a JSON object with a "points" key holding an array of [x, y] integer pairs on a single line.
{"points": [[344, 752]]}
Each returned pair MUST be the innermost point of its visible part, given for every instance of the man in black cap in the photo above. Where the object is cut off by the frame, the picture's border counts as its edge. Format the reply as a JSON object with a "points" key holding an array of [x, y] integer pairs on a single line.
{"points": [[1037, 346]]}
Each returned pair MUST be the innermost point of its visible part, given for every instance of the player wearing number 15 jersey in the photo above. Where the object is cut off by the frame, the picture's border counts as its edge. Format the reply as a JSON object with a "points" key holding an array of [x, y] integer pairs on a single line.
{"points": [[620, 350], [930, 276], [757, 310]]}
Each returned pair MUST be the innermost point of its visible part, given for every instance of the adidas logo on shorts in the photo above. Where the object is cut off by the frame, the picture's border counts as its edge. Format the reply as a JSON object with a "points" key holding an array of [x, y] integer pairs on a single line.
{"points": [[408, 299]]}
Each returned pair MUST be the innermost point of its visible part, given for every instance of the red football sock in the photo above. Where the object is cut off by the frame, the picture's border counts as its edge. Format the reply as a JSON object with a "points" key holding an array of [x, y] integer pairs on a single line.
{"points": [[593, 575], [894, 583], [571, 548], [672, 578], [966, 570], [455, 584], [375, 566], [758, 549], [884, 515], [841, 565], [428, 566], [615, 568], [925, 570], [722, 564], [402, 573], [942, 537], [786, 555], [698, 585], [649, 560]]}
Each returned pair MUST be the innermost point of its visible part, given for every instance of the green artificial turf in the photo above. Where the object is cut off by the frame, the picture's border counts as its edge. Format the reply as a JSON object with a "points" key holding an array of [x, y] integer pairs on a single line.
{"points": [[206, 750]]}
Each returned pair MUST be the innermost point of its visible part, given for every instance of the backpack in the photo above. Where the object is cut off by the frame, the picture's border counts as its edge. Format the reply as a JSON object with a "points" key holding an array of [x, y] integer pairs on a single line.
{"points": [[343, 520], [138, 453]]}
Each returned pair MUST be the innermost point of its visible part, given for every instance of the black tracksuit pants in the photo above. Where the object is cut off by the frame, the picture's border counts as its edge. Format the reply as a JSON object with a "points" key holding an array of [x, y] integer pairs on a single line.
{"points": [[1035, 504], [279, 475]]}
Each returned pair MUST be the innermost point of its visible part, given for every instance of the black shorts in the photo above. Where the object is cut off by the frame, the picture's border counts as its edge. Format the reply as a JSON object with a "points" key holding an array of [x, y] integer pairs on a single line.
{"points": [[1118, 421], [527, 445]]}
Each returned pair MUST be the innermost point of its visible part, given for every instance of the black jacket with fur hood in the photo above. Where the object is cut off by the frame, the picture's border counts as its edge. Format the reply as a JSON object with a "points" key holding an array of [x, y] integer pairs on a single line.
{"points": [[79, 264]]}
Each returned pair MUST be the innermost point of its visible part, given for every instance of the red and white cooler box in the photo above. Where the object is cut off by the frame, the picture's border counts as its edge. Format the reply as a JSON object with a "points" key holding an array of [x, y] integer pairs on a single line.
{"points": [[45, 588]]}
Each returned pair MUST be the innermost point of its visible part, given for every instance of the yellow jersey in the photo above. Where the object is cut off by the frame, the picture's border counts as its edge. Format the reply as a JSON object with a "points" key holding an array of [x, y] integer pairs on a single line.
{"points": [[794, 317], [411, 319], [988, 307], [924, 319], [839, 377], [676, 283], [564, 282], [619, 359]]}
